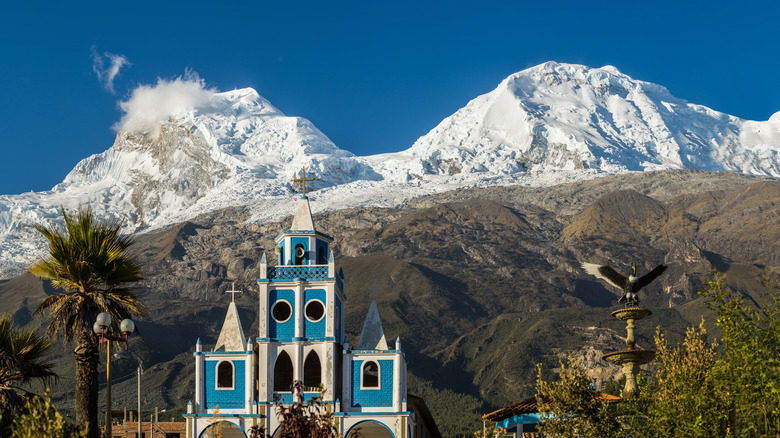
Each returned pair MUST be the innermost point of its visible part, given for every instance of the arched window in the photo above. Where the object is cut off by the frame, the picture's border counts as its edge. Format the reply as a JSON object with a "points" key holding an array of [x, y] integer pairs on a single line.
{"points": [[300, 254], [321, 256], [225, 375], [370, 375], [283, 372], [312, 371]]}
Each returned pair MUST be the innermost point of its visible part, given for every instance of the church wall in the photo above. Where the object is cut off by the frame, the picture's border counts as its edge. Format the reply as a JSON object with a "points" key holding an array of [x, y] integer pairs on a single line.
{"points": [[315, 329], [339, 318], [284, 330], [373, 398], [225, 398]]}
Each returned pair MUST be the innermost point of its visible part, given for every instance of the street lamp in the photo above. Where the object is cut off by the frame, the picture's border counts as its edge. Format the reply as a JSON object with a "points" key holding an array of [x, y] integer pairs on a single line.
{"points": [[127, 326]]}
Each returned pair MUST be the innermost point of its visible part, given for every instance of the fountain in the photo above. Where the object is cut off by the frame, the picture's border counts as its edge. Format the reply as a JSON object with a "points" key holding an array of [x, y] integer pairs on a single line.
{"points": [[632, 358]]}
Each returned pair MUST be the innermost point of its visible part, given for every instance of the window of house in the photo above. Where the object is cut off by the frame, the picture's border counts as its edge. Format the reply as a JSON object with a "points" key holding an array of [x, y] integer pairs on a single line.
{"points": [[321, 256], [312, 371], [281, 311], [283, 373], [370, 379], [315, 310], [300, 254], [225, 375]]}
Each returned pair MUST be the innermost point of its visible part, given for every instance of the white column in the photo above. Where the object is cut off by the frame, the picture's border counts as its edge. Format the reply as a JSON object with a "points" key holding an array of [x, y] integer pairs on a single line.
{"points": [[346, 381], [199, 383], [299, 310], [262, 314], [397, 382], [297, 361], [330, 311], [249, 383], [328, 362]]}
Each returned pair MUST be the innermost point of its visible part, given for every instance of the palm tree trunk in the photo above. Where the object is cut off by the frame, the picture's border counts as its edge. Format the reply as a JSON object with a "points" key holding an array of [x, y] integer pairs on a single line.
{"points": [[87, 361]]}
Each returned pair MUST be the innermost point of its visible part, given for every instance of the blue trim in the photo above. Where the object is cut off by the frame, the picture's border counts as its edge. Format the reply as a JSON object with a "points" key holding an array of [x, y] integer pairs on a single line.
{"points": [[303, 272], [238, 426], [314, 232], [221, 414], [357, 414], [268, 280], [287, 397], [247, 352], [265, 403], [372, 351], [519, 419], [369, 421]]}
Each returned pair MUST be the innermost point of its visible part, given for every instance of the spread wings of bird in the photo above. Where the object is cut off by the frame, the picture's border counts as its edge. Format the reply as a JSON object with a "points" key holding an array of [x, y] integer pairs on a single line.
{"points": [[649, 277], [619, 281], [607, 274]]}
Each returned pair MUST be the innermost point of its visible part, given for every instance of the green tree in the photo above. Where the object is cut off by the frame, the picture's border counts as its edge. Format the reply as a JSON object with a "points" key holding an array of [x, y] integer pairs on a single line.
{"points": [[42, 419], [681, 398], [89, 262], [22, 360], [747, 372], [570, 407]]}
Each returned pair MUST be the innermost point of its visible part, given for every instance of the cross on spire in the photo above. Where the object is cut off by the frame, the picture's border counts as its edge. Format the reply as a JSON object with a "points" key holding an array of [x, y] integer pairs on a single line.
{"points": [[303, 180], [373, 290], [233, 292]]}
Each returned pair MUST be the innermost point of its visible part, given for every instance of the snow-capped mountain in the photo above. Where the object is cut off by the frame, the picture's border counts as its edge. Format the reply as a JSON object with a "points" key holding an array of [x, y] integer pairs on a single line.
{"points": [[548, 124], [564, 116]]}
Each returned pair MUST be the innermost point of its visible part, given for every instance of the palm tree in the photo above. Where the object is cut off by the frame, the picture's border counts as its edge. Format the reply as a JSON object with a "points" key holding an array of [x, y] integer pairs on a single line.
{"points": [[90, 263], [22, 361]]}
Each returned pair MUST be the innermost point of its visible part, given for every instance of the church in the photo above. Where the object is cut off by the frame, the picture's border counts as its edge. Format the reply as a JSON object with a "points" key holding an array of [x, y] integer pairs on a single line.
{"points": [[301, 338]]}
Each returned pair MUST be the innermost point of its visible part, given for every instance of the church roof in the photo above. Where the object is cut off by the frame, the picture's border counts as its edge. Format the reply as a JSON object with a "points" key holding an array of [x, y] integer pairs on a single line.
{"points": [[529, 406], [232, 335], [302, 219], [373, 335]]}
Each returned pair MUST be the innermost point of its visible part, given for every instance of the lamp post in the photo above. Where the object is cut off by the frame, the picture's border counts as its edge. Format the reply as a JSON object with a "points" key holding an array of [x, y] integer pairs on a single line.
{"points": [[127, 326]]}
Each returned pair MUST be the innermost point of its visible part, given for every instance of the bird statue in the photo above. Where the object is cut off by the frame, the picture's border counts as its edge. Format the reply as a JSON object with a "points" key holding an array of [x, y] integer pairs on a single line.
{"points": [[630, 286]]}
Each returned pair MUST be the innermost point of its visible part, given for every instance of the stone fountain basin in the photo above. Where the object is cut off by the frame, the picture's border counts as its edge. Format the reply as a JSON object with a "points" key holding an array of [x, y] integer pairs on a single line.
{"points": [[639, 357], [635, 313]]}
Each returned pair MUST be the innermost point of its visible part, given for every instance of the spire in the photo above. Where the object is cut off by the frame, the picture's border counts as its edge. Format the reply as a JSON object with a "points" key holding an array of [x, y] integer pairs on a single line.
{"points": [[373, 336], [232, 335], [302, 219]]}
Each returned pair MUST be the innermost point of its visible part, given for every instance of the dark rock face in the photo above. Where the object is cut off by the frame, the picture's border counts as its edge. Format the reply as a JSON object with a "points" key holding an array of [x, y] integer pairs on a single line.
{"points": [[480, 284]]}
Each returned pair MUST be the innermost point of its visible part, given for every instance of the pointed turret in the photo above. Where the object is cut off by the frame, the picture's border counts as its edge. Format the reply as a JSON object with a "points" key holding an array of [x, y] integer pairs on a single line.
{"points": [[232, 335], [302, 219], [373, 335]]}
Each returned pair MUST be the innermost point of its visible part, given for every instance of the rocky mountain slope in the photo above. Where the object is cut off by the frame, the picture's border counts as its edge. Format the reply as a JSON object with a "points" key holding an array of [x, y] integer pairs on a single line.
{"points": [[481, 284], [546, 125]]}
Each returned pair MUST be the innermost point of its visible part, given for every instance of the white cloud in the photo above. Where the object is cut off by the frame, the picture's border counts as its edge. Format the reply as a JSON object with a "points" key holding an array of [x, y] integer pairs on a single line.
{"points": [[105, 74], [150, 105]]}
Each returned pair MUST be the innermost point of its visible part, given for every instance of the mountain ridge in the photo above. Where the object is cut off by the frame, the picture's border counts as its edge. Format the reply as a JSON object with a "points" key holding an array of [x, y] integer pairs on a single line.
{"points": [[542, 126]]}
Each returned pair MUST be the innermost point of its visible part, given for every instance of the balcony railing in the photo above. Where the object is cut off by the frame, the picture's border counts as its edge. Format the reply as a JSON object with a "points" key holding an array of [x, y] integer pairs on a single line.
{"points": [[312, 272]]}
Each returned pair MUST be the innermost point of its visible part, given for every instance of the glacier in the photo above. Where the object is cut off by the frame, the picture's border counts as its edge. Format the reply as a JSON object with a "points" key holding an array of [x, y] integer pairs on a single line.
{"points": [[549, 124]]}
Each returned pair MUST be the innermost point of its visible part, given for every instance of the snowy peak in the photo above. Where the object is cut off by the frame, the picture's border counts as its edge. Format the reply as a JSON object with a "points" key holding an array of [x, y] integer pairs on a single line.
{"points": [[568, 117], [183, 149]]}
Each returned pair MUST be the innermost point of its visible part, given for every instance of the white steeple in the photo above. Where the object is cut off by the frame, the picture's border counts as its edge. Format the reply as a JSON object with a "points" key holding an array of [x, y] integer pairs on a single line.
{"points": [[373, 336], [232, 335], [302, 219]]}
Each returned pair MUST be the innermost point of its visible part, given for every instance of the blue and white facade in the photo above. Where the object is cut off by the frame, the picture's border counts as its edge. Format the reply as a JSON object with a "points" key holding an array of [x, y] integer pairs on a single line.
{"points": [[301, 338]]}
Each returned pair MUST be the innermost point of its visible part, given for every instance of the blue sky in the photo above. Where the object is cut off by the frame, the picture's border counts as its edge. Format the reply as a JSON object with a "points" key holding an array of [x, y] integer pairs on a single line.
{"points": [[373, 76]]}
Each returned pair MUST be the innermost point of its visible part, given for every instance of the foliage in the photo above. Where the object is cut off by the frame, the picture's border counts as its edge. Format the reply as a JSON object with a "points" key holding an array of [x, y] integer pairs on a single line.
{"points": [[89, 261], [313, 419], [681, 398], [457, 415], [41, 419], [571, 407], [489, 432], [22, 361], [748, 371]]}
